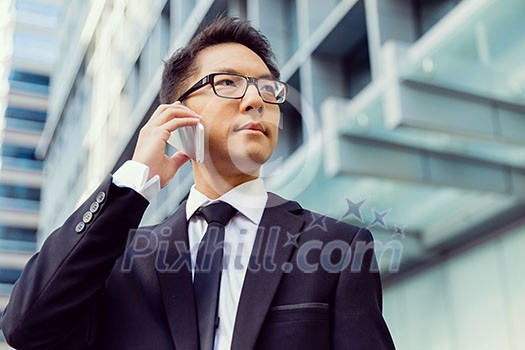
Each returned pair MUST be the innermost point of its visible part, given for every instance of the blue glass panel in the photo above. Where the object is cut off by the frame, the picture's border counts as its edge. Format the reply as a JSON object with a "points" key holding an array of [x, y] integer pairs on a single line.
{"points": [[19, 124], [35, 7], [429, 12], [5, 289], [25, 114], [21, 192], [17, 233], [29, 87], [9, 162], [9, 275], [26, 77], [19, 246], [18, 152], [19, 204], [356, 68]]}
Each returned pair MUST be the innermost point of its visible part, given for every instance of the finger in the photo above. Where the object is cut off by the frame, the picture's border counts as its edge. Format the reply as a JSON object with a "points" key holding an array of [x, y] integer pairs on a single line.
{"points": [[161, 108], [176, 123], [173, 111]]}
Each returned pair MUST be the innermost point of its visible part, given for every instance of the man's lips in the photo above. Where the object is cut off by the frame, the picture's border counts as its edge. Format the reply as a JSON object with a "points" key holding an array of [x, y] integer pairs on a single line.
{"points": [[253, 126]]}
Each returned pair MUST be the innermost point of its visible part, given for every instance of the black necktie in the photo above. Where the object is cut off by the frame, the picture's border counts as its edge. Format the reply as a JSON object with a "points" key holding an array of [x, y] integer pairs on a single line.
{"points": [[208, 270]]}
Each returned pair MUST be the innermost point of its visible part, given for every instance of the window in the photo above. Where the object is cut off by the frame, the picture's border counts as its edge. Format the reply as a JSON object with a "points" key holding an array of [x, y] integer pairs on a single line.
{"points": [[356, 69], [18, 152], [9, 275], [31, 78], [278, 21], [291, 34], [291, 124], [21, 192], [25, 114], [20, 157], [341, 63], [164, 28], [17, 233], [429, 12], [24, 125]]}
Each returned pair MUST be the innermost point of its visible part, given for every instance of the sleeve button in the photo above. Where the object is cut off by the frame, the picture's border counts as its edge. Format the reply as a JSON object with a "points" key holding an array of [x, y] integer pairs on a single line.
{"points": [[101, 196], [87, 217], [94, 207], [80, 227]]}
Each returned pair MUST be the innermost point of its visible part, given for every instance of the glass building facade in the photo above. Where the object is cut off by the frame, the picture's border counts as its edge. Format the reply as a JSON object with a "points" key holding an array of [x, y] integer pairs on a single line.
{"points": [[27, 43], [405, 116]]}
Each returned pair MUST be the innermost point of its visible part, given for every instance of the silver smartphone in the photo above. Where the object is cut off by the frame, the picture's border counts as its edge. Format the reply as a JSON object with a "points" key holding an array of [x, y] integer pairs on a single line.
{"points": [[190, 140]]}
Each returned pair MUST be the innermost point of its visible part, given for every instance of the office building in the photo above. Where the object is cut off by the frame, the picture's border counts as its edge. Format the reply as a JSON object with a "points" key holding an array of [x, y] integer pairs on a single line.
{"points": [[406, 116], [27, 53]]}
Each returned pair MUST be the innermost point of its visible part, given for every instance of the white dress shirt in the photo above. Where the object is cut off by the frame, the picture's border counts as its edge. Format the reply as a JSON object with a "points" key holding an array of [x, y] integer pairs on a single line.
{"points": [[249, 199]]}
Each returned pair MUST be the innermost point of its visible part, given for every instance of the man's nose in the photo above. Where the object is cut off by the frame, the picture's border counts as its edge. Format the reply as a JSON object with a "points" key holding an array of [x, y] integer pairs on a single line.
{"points": [[252, 88], [252, 99]]}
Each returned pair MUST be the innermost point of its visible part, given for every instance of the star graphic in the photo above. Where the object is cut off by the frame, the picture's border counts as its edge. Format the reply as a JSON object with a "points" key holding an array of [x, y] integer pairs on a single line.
{"points": [[399, 231], [292, 239], [379, 218], [318, 220], [353, 209]]}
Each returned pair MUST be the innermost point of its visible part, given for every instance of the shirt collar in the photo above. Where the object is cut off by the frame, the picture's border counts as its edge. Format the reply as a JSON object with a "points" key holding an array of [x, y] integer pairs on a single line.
{"points": [[249, 198]]}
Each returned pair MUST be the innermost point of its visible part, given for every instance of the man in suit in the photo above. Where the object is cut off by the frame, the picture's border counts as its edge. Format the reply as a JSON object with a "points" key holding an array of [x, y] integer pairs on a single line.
{"points": [[269, 277]]}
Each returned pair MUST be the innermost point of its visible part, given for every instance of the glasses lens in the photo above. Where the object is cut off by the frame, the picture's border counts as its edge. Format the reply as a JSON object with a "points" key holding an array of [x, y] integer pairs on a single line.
{"points": [[229, 85], [272, 91], [234, 86]]}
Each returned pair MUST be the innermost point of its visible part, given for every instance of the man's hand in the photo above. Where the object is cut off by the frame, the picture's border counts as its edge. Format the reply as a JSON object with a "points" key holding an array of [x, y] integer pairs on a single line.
{"points": [[154, 135]]}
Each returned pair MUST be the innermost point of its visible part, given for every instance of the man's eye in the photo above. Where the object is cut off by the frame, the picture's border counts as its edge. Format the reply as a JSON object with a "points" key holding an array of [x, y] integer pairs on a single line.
{"points": [[226, 82], [268, 89]]}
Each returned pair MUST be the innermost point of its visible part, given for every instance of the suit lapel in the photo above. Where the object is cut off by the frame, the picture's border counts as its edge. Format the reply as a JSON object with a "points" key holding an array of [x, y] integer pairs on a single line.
{"points": [[262, 278], [174, 273]]}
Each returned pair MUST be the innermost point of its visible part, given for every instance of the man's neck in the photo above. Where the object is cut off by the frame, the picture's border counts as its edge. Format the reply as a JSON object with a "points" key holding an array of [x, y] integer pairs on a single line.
{"points": [[214, 185]]}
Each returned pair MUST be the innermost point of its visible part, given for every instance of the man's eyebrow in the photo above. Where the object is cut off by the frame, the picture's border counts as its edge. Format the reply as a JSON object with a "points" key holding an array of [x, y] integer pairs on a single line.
{"points": [[234, 71]]}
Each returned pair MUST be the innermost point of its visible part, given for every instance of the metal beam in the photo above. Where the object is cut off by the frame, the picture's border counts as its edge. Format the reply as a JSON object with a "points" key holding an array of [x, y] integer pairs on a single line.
{"points": [[24, 99], [436, 104], [19, 218], [14, 260], [23, 177], [422, 105], [487, 230], [20, 137], [381, 155]]}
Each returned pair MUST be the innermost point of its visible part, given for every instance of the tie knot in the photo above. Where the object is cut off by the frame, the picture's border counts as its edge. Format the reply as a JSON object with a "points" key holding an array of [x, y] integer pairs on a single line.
{"points": [[220, 212]]}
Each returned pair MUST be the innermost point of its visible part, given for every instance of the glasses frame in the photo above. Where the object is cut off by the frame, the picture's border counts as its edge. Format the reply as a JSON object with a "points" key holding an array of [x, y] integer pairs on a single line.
{"points": [[209, 79]]}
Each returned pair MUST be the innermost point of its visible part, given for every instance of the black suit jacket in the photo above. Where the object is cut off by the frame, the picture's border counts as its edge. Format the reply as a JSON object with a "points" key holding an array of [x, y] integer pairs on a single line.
{"points": [[113, 286]]}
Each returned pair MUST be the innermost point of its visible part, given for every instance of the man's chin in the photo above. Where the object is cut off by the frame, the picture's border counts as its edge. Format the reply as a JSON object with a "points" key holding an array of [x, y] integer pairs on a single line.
{"points": [[249, 154], [249, 164]]}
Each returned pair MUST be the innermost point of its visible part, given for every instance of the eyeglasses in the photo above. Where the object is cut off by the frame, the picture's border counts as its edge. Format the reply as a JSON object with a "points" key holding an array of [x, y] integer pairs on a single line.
{"points": [[234, 86]]}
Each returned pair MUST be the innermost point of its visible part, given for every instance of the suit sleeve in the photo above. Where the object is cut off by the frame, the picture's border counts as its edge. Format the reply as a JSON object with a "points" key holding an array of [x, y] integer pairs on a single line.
{"points": [[59, 284], [358, 322]]}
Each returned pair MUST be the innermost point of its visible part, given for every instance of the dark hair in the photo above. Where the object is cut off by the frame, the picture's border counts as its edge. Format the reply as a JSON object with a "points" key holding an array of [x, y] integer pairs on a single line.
{"points": [[224, 29]]}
